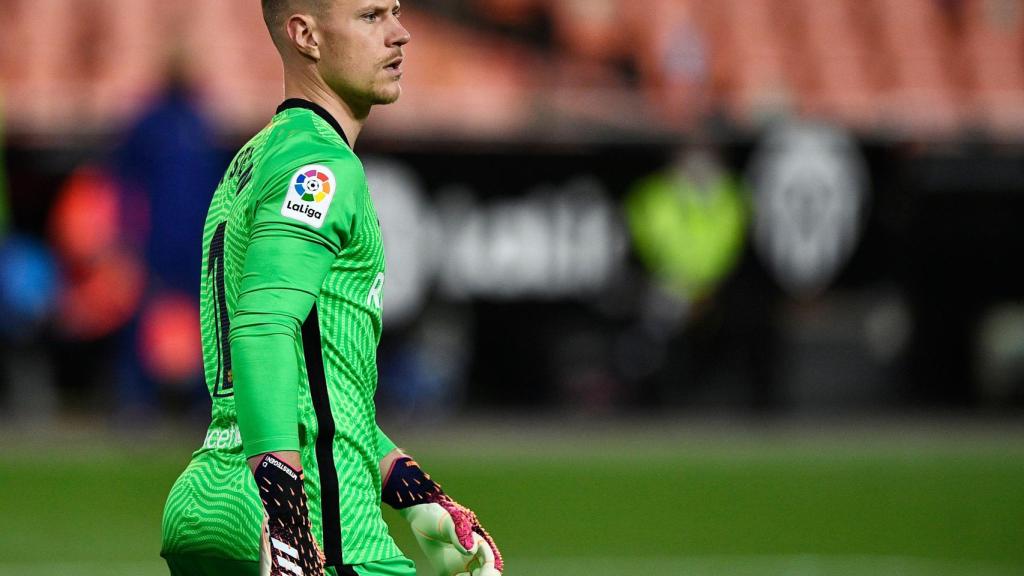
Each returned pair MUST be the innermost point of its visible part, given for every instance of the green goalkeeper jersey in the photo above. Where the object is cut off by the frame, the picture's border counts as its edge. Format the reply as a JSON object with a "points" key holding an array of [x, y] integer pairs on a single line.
{"points": [[292, 286]]}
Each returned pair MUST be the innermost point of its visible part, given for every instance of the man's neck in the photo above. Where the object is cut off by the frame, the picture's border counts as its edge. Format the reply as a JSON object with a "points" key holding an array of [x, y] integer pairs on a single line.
{"points": [[312, 88]]}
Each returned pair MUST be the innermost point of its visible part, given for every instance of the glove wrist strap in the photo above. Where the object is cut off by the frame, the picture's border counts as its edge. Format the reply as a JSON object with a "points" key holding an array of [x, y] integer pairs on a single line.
{"points": [[281, 490], [408, 485]]}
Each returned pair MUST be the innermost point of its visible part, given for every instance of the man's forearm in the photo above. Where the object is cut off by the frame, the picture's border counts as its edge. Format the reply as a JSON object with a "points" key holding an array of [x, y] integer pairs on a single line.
{"points": [[388, 461], [385, 446], [266, 375], [280, 282]]}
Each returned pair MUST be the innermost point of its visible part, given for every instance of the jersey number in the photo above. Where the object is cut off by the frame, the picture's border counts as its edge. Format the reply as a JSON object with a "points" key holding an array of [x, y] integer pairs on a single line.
{"points": [[215, 272]]}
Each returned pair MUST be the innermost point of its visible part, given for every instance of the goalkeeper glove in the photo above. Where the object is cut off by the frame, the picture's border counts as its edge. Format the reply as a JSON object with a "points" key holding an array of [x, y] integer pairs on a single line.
{"points": [[288, 547], [450, 535]]}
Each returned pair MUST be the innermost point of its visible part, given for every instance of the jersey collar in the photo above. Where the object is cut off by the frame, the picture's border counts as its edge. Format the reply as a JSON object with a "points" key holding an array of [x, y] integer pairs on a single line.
{"points": [[316, 109]]}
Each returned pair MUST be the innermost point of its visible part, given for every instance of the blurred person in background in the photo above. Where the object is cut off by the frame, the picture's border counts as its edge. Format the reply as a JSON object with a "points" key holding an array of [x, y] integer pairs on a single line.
{"points": [[166, 165], [102, 280], [689, 224], [291, 312], [126, 233]]}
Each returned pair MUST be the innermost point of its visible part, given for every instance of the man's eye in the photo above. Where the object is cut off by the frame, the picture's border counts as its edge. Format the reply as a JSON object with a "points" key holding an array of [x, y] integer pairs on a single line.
{"points": [[397, 13], [371, 17]]}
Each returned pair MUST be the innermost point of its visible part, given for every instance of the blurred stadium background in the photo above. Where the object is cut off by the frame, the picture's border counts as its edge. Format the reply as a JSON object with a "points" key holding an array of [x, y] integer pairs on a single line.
{"points": [[675, 286]]}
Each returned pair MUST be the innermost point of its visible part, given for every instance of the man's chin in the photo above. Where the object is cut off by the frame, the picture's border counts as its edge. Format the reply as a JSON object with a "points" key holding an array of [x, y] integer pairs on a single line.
{"points": [[389, 96]]}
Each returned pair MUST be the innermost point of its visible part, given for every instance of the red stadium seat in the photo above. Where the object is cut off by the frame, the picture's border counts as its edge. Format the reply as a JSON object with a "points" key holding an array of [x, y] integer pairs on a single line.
{"points": [[672, 49], [840, 85], [755, 79], [590, 28], [510, 12], [917, 91], [993, 49]]}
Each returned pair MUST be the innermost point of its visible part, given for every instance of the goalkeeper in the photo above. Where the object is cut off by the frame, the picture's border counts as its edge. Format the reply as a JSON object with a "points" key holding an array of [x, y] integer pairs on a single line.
{"points": [[290, 479]]}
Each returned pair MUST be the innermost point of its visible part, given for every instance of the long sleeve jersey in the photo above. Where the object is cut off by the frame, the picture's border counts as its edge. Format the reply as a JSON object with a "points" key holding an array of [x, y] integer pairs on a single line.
{"points": [[291, 315]]}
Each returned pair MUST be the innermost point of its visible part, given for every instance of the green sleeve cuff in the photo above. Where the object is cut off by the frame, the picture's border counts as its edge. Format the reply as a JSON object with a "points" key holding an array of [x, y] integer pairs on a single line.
{"points": [[384, 444], [272, 444]]}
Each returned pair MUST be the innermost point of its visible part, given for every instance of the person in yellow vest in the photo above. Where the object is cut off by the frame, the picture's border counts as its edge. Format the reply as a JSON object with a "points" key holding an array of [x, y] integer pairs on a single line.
{"points": [[688, 223]]}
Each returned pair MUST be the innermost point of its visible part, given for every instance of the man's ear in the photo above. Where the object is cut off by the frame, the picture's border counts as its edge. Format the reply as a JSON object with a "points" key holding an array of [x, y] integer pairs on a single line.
{"points": [[301, 30]]}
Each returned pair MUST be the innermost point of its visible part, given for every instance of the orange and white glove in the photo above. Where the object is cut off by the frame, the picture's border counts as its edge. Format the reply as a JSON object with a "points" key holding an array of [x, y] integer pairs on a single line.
{"points": [[288, 547], [449, 534]]}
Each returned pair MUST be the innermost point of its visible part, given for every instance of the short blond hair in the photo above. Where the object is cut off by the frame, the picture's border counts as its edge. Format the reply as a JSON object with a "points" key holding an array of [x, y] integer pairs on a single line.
{"points": [[275, 11]]}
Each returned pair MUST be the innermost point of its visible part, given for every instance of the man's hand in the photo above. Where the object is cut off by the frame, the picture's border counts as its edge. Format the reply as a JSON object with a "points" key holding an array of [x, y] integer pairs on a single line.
{"points": [[450, 535], [288, 547], [453, 540]]}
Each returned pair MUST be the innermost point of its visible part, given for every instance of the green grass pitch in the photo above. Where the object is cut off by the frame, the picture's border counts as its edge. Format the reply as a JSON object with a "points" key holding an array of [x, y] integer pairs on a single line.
{"points": [[599, 502]]}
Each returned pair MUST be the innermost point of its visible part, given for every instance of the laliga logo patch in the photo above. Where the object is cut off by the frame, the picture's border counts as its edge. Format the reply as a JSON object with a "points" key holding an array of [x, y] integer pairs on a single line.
{"points": [[309, 195]]}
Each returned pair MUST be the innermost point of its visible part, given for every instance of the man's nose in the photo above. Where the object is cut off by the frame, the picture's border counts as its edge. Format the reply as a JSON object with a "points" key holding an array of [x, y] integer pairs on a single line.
{"points": [[401, 36]]}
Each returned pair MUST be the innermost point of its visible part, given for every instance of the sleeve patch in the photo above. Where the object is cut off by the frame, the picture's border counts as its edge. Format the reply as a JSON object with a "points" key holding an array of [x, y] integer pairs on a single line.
{"points": [[309, 195]]}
